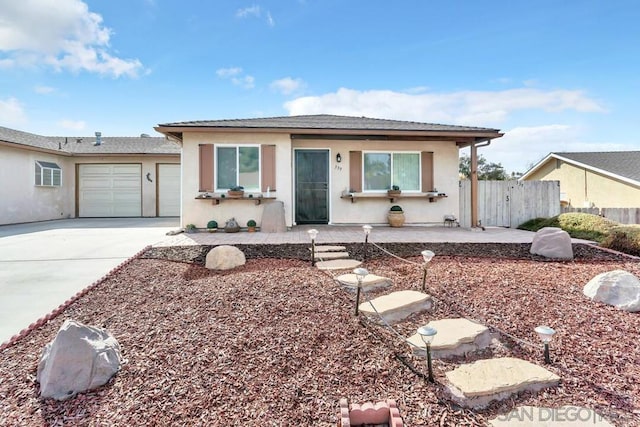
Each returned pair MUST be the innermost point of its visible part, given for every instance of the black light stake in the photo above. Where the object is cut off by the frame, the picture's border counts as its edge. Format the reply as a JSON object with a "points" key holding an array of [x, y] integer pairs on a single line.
{"points": [[360, 275], [427, 256], [313, 233], [545, 333], [367, 231], [427, 333]]}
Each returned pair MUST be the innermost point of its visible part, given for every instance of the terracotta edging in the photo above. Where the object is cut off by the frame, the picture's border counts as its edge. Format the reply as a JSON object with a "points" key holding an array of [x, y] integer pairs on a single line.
{"points": [[384, 412], [43, 320]]}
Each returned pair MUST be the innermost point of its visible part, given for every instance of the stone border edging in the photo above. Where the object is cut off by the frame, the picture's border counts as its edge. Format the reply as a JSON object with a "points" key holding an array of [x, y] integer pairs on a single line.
{"points": [[613, 251], [43, 320]]}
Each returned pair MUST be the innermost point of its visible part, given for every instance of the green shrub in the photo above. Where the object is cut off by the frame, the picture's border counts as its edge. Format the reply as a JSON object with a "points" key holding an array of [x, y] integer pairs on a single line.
{"points": [[251, 223], [578, 225], [625, 238], [395, 208], [212, 224]]}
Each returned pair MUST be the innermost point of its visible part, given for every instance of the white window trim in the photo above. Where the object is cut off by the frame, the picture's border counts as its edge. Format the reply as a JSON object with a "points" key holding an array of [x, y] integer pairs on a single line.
{"points": [[47, 169], [237, 146], [392, 153]]}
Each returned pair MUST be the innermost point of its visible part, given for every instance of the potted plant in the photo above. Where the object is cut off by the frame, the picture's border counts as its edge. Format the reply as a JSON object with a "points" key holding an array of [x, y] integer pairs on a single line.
{"points": [[396, 216], [212, 226], [236, 191], [394, 190], [190, 228], [251, 226]]}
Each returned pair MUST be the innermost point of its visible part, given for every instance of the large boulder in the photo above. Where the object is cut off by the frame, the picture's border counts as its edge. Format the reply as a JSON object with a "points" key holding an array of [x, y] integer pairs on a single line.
{"points": [[225, 257], [273, 218], [79, 358], [552, 242], [618, 288]]}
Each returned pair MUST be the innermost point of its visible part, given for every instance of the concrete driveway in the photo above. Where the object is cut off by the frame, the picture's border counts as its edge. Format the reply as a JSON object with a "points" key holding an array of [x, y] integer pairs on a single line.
{"points": [[45, 263]]}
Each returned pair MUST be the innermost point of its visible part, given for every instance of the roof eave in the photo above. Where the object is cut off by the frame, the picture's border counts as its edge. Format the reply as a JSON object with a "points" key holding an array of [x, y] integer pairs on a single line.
{"points": [[34, 148]]}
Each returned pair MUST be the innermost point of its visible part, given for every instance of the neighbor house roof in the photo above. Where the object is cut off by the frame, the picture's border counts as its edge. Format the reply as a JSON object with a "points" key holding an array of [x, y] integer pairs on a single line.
{"points": [[622, 165], [330, 124], [74, 145]]}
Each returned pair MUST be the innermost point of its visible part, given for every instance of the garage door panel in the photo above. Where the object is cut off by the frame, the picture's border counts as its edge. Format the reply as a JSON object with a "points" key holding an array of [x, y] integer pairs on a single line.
{"points": [[110, 190]]}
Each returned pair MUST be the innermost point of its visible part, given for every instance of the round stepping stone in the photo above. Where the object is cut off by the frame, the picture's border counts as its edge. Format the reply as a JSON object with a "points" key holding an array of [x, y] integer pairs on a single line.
{"points": [[455, 337], [338, 264], [396, 306], [369, 282], [475, 385], [565, 416]]}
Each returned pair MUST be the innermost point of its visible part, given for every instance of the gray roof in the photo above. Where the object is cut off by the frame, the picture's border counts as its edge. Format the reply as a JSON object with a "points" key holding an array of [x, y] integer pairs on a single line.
{"points": [[110, 144], [622, 163], [326, 121]]}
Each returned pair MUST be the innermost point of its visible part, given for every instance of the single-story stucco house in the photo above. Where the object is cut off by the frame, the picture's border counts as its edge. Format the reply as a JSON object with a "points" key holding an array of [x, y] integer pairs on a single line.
{"points": [[47, 178], [592, 179], [326, 169]]}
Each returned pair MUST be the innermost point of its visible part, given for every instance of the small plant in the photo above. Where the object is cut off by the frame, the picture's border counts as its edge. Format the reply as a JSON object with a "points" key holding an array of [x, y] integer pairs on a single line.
{"points": [[190, 228], [396, 208], [237, 188], [395, 188], [212, 225], [251, 223]]}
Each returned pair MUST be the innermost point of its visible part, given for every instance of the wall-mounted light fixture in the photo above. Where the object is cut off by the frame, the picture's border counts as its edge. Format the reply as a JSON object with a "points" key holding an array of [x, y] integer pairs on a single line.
{"points": [[338, 158]]}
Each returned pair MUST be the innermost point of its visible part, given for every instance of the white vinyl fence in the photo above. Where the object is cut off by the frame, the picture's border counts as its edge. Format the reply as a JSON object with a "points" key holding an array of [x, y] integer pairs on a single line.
{"points": [[510, 203]]}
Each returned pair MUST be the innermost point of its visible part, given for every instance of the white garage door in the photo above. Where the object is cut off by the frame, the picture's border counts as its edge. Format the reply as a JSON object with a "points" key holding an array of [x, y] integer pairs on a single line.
{"points": [[110, 190], [168, 190]]}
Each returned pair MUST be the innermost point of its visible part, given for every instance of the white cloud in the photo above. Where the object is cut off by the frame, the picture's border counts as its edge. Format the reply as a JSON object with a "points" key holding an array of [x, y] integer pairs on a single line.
{"points": [[62, 34], [270, 20], [75, 125], [248, 11], [478, 108], [287, 85], [235, 74], [44, 90], [11, 113]]}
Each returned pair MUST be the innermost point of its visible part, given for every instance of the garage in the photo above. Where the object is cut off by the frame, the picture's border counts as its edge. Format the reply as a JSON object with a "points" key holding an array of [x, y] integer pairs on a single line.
{"points": [[109, 190], [168, 189]]}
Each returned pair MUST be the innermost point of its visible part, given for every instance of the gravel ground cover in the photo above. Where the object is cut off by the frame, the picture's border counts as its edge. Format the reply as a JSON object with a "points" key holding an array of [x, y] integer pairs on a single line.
{"points": [[276, 343]]}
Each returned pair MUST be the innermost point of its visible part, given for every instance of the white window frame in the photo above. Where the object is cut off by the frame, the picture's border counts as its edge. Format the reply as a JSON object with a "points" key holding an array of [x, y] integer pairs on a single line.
{"points": [[391, 153], [47, 168], [237, 147]]}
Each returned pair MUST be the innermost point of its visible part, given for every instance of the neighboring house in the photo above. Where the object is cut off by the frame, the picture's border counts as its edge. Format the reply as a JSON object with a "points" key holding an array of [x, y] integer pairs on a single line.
{"points": [[592, 179], [325, 169], [48, 178]]}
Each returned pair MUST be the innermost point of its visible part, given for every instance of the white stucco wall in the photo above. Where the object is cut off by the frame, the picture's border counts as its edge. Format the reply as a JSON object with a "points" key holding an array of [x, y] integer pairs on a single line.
{"points": [[417, 211], [199, 212], [21, 200]]}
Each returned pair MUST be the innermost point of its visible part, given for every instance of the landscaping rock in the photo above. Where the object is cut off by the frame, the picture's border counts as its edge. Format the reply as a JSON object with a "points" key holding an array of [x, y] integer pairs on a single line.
{"points": [[455, 337], [475, 385], [224, 257], [231, 226], [618, 288], [552, 242], [273, 218], [79, 358]]}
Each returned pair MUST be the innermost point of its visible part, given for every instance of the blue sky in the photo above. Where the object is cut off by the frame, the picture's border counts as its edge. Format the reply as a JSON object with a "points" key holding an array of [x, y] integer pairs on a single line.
{"points": [[553, 75]]}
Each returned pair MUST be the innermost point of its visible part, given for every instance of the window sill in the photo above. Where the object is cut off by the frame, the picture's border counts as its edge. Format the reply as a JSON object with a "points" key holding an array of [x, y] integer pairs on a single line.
{"points": [[432, 196], [217, 198]]}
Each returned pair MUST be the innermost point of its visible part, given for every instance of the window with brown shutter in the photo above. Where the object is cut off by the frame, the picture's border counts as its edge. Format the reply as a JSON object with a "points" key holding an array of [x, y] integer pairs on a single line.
{"points": [[268, 167], [427, 171], [206, 167], [355, 171]]}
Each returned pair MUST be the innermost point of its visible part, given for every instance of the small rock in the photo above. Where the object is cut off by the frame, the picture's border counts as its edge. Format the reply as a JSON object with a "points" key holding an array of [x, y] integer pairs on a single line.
{"points": [[225, 257], [231, 226], [79, 358], [618, 288], [552, 242], [273, 218]]}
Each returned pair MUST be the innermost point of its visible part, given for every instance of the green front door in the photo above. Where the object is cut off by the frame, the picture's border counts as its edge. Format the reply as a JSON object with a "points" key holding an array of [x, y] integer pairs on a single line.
{"points": [[312, 186]]}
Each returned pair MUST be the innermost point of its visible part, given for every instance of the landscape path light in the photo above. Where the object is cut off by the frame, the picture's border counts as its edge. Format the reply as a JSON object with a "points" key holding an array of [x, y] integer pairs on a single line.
{"points": [[360, 275], [313, 233], [367, 230], [427, 333], [427, 256], [545, 333]]}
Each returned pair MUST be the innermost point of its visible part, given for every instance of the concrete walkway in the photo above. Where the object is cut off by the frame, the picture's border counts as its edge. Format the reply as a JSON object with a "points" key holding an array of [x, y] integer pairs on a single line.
{"points": [[45, 263]]}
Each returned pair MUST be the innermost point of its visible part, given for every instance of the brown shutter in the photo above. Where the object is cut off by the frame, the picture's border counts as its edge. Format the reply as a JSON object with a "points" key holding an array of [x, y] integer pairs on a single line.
{"points": [[427, 171], [268, 167], [355, 171], [206, 167]]}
